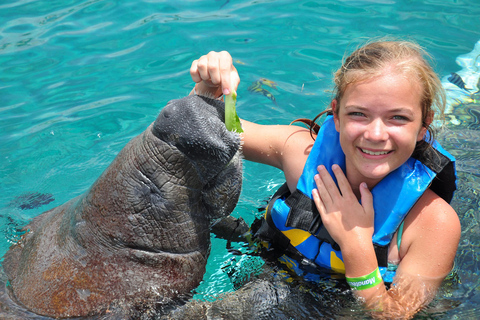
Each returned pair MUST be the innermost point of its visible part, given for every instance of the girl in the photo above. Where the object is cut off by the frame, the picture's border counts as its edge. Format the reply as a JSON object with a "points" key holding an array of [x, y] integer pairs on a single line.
{"points": [[379, 183]]}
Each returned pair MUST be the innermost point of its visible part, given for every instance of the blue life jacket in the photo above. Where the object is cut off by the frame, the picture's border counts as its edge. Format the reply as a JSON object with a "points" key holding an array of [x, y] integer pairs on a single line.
{"points": [[292, 222]]}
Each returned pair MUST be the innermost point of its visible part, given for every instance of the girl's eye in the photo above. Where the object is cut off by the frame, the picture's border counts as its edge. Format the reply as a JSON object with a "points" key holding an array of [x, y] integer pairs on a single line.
{"points": [[356, 114], [401, 118]]}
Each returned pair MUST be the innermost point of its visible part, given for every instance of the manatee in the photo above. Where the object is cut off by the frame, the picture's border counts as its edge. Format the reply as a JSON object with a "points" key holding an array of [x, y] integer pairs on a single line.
{"points": [[273, 294], [139, 238]]}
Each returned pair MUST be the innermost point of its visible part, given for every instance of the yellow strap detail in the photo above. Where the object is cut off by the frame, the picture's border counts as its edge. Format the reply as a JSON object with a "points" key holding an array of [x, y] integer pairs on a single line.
{"points": [[289, 262], [296, 236], [336, 263]]}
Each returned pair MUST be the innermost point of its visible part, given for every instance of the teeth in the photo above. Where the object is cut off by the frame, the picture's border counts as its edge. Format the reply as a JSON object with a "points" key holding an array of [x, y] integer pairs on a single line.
{"points": [[374, 153]]}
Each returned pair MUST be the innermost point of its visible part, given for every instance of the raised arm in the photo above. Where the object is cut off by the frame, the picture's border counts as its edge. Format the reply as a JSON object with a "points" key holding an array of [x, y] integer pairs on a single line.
{"points": [[285, 147], [281, 146]]}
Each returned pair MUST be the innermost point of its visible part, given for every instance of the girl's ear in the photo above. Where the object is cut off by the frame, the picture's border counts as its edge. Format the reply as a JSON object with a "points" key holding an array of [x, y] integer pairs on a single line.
{"points": [[425, 124], [334, 105], [421, 134]]}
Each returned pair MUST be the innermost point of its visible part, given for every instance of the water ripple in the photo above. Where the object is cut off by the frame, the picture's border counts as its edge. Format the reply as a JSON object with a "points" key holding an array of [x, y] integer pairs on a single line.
{"points": [[72, 114], [33, 28], [125, 51], [16, 4]]}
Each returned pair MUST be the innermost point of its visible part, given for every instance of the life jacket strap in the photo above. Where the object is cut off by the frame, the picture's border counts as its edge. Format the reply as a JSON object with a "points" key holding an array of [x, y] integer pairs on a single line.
{"points": [[267, 231], [382, 255], [444, 183], [303, 213]]}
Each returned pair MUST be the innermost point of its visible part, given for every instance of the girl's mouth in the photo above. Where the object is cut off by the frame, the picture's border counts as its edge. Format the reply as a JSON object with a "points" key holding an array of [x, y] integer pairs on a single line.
{"points": [[374, 153]]}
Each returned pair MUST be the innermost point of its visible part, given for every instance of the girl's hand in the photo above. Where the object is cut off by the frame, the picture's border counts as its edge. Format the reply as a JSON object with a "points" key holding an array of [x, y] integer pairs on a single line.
{"points": [[347, 221], [215, 74]]}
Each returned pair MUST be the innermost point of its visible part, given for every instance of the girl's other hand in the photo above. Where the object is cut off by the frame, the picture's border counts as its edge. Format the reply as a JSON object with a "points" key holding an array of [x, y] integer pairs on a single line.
{"points": [[347, 221]]}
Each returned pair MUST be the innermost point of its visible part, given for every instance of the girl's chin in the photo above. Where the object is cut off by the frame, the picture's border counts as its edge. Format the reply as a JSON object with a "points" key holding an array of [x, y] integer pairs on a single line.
{"points": [[371, 173], [375, 175]]}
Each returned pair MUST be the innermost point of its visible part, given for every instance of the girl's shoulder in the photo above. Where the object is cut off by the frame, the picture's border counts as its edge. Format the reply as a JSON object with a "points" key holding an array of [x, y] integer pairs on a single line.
{"points": [[432, 229], [432, 210]]}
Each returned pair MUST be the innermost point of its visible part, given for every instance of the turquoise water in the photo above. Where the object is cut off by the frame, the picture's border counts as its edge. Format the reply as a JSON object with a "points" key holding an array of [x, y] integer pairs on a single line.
{"points": [[78, 79]]}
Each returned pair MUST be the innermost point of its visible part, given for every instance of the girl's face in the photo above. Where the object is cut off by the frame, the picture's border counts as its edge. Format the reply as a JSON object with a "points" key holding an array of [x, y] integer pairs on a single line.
{"points": [[379, 121]]}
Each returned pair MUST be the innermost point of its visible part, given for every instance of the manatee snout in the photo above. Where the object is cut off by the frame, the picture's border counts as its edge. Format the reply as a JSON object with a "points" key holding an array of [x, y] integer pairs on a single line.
{"points": [[195, 126]]}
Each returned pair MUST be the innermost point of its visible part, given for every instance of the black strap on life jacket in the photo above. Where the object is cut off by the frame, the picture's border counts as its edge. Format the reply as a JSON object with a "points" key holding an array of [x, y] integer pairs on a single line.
{"points": [[444, 182], [304, 215], [266, 230]]}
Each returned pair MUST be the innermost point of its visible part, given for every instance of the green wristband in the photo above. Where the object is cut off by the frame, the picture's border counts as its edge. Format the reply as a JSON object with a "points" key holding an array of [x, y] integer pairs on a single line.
{"points": [[365, 282]]}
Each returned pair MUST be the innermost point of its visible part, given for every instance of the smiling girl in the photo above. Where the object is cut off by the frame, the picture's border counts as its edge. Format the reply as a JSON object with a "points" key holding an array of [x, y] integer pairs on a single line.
{"points": [[367, 193]]}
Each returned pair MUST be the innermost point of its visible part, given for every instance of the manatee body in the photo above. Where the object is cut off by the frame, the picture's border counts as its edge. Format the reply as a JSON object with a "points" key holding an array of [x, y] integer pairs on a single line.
{"points": [[140, 236], [273, 295]]}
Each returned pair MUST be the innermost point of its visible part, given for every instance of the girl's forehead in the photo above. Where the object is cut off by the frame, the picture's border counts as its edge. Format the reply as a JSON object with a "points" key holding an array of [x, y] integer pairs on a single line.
{"points": [[390, 79], [392, 90]]}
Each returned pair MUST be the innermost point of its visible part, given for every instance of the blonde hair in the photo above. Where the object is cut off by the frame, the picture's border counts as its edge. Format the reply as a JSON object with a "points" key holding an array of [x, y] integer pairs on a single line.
{"points": [[407, 58]]}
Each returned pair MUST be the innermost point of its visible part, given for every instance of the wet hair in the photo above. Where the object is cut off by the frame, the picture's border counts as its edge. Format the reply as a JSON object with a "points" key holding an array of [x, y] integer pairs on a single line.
{"points": [[404, 57]]}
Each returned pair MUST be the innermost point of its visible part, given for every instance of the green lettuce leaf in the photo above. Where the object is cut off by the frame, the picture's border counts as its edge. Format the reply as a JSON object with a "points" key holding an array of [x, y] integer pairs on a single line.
{"points": [[232, 121]]}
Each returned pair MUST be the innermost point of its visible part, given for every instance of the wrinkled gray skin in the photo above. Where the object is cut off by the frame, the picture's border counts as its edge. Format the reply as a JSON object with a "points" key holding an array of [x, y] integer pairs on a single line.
{"points": [[268, 298], [140, 237]]}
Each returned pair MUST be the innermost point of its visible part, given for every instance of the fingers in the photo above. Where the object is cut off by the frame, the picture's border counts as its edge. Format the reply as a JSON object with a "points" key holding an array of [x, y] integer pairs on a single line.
{"points": [[343, 184], [234, 79], [324, 185], [318, 202], [225, 67], [194, 73], [329, 193], [327, 188], [199, 70], [366, 198], [216, 70], [210, 69]]}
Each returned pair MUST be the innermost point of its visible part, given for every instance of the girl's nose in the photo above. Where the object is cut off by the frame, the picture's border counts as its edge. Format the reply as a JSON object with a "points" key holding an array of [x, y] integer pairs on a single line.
{"points": [[376, 131]]}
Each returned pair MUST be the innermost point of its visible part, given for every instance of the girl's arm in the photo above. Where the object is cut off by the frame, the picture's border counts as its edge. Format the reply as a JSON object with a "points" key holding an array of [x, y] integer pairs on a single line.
{"points": [[429, 243], [285, 147]]}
